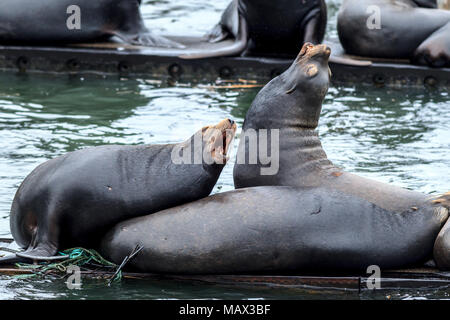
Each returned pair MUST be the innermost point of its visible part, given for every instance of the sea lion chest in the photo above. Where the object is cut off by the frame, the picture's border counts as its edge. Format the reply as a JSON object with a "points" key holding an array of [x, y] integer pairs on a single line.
{"points": [[275, 23]]}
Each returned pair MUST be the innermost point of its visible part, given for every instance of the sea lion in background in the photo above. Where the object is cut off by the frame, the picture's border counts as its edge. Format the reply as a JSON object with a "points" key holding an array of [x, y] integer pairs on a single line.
{"points": [[399, 35], [276, 229], [268, 28], [46, 22], [74, 199]]}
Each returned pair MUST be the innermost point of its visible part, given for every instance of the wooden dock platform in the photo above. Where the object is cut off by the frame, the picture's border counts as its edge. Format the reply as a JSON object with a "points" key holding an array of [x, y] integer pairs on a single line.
{"points": [[125, 60]]}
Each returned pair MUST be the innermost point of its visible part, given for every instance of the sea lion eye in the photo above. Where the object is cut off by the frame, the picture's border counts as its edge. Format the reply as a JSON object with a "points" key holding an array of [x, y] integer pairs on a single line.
{"points": [[311, 70]]}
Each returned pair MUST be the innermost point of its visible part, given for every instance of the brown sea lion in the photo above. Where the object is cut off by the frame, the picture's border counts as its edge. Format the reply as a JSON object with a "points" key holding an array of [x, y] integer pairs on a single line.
{"points": [[290, 105], [390, 29]]}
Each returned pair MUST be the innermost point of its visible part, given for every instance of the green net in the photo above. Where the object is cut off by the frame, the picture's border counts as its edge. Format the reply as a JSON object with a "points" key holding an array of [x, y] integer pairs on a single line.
{"points": [[87, 259]]}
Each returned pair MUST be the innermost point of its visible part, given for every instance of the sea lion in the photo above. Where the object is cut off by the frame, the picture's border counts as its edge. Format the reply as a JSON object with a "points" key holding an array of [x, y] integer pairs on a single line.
{"points": [[274, 230], [397, 35], [268, 28], [74, 199], [73, 21]]}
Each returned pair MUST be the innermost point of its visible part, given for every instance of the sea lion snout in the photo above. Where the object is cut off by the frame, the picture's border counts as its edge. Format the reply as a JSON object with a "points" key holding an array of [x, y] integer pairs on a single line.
{"points": [[309, 51]]}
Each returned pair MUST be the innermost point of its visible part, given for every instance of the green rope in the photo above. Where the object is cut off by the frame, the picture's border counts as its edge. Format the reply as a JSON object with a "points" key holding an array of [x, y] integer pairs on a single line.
{"points": [[76, 256]]}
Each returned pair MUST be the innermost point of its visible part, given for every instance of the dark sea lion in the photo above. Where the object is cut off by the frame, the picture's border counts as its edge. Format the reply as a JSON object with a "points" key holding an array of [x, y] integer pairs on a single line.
{"points": [[291, 104], [268, 28], [48, 21], [74, 199], [399, 34], [274, 230]]}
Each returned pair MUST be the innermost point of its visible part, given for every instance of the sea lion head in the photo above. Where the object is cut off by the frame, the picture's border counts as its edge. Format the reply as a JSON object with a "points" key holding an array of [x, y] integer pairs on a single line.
{"points": [[306, 82], [217, 140], [208, 147]]}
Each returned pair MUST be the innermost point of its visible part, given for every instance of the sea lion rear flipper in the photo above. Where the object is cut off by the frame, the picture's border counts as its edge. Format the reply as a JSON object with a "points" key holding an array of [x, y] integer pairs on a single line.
{"points": [[41, 253]]}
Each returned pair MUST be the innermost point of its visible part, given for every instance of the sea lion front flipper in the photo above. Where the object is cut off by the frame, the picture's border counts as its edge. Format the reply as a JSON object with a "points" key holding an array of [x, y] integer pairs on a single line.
{"points": [[349, 61], [148, 39], [435, 50]]}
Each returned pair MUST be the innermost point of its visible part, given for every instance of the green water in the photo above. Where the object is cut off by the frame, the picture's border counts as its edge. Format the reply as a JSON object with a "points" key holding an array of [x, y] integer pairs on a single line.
{"points": [[395, 136]]}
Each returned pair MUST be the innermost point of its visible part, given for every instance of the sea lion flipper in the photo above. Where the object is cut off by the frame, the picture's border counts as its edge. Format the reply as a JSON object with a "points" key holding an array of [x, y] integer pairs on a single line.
{"points": [[228, 25], [41, 253], [441, 250], [238, 46]]}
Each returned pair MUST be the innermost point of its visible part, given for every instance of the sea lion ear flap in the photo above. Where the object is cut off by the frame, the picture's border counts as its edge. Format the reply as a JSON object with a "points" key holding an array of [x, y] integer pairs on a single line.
{"points": [[291, 90]]}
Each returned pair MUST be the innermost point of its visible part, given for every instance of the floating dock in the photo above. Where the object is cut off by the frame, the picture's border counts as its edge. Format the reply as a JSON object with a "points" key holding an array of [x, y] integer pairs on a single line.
{"points": [[124, 60]]}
